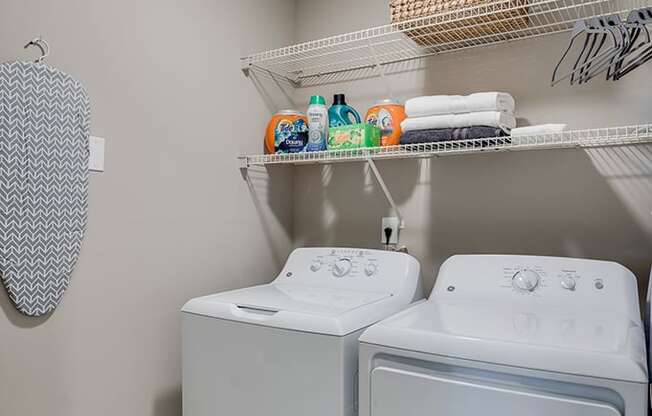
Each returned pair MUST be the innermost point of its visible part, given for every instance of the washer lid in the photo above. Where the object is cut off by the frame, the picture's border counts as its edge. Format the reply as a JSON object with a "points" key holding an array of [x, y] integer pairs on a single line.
{"points": [[595, 344], [298, 307]]}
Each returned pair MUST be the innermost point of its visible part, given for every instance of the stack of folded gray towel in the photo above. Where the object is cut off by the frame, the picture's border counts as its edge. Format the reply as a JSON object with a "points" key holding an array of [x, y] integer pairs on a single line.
{"points": [[453, 117]]}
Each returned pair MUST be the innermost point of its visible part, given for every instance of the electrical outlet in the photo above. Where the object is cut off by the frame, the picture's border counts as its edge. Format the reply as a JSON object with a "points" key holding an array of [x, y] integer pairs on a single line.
{"points": [[393, 224]]}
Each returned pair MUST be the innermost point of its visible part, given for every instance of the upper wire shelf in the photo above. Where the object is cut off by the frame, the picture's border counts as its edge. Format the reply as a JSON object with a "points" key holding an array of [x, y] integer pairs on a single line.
{"points": [[344, 56], [610, 136]]}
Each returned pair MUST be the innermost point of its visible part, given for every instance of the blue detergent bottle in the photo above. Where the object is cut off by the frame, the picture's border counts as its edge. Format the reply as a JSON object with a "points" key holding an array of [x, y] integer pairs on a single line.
{"points": [[340, 114]]}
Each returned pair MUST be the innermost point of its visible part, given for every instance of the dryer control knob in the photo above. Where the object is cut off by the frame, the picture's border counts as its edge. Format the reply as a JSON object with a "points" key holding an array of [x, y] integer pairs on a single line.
{"points": [[568, 282], [526, 280], [342, 267]]}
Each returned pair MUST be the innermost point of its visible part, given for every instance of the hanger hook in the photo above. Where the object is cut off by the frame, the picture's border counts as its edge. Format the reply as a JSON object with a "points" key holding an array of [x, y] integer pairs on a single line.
{"points": [[43, 46]]}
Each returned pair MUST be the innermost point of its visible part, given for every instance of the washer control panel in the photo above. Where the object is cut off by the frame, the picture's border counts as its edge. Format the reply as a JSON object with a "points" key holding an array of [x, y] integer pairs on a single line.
{"points": [[347, 262], [349, 268], [537, 279]]}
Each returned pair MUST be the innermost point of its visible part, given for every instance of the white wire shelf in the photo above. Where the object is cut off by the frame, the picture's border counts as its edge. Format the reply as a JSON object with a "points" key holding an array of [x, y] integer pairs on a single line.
{"points": [[610, 136], [344, 56]]}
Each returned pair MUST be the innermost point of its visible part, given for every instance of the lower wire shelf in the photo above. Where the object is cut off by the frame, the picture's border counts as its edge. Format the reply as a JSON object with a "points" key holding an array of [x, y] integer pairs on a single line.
{"points": [[610, 136]]}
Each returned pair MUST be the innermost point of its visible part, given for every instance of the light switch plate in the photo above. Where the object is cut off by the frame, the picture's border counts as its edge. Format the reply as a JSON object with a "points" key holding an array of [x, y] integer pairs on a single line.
{"points": [[96, 159]]}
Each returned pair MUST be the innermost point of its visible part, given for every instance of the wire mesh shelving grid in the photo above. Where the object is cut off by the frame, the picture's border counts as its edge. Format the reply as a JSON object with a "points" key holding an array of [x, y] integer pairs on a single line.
{"points": [[610, 136], [493, 22]]}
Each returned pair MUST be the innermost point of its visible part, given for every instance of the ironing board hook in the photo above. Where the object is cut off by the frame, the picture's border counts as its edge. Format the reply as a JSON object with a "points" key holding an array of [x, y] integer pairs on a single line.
{"points": [[43, 46]]}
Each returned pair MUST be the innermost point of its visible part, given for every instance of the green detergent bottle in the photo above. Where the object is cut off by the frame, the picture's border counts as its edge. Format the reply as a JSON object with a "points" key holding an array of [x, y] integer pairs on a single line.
{"points": [[340, 113]]}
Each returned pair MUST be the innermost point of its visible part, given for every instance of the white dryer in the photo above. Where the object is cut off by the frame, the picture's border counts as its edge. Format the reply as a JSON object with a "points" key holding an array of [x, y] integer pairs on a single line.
{"points": [[290, 348], [511, 335]]}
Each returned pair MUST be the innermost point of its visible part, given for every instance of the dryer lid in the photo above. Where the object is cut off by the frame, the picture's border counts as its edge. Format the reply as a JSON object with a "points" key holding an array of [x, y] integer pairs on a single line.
{"points": [[571, 341], [297, 307]]}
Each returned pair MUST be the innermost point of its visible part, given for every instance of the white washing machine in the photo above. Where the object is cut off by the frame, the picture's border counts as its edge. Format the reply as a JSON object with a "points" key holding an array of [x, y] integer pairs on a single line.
{"points": [[290, 348], [511, 335]]}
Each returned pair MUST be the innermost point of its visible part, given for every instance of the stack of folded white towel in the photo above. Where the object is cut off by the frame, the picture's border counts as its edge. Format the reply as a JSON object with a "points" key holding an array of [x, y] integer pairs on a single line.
{"points": [[455, 117]]}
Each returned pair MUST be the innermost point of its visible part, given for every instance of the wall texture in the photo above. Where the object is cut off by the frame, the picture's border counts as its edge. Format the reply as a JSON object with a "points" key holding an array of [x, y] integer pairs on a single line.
{"points": [[593, 204], [171, 218]]}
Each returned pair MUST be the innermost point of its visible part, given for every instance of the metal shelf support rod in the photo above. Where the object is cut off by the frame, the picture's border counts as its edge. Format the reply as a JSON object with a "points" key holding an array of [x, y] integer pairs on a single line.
{"points": [[385, 190]]}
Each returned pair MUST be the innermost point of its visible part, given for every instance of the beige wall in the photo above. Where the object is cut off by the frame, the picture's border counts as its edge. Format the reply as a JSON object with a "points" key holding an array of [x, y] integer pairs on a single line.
{"points": [[171, 218], [594, 204]]}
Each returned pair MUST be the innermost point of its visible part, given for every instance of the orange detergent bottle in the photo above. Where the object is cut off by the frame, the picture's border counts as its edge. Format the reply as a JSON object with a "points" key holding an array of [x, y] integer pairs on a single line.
{"points": [[388, 115], [287, 132]]}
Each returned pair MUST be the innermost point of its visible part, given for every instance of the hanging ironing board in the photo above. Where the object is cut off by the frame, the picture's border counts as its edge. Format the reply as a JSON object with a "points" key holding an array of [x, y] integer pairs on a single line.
{"points": [[44, 151]]}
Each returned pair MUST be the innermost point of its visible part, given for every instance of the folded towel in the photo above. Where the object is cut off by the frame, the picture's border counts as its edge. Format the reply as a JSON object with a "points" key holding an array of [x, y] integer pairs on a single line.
{"points": [[444, 135], [539, 129], [459, 104], [498, 119]]}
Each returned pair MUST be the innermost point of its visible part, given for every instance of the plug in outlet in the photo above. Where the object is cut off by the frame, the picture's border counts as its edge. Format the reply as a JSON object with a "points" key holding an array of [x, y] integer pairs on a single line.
{"points": [[389, 231]]}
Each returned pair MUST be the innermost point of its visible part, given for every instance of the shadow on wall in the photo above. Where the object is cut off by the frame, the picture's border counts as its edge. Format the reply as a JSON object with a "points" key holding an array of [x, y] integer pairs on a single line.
{"points": [[572, 203], [16, 318], [342, 204], [365, 73], [590, 204], [558, 202], [275, 91], [168, 403], [270, 188], [628, 170], [554, 203]]}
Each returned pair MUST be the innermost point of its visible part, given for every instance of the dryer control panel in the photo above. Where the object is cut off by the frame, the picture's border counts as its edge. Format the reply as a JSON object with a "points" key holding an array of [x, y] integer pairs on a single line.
{"points": [[349, 268], [540, 280]]}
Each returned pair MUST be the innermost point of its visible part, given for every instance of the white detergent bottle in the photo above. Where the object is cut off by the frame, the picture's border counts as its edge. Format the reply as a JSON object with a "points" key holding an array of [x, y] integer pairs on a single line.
{"points": [[317, 124]]}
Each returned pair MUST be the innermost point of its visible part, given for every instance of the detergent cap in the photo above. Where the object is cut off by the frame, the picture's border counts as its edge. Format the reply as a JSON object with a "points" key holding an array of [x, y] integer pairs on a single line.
{"points": [[388, 101], [288, 112], [339, 99], [317, 99]]}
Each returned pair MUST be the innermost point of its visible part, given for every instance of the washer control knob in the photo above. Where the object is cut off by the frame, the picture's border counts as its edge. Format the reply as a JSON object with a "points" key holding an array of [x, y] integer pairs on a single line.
{"points": [[316, 265], [370, 269], [342, 267], [568, 282], [526, 280]]}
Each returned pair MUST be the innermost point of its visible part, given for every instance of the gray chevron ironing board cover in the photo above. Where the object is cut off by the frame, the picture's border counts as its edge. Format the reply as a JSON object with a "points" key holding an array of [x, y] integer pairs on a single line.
{"points": [[44, 151]]}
